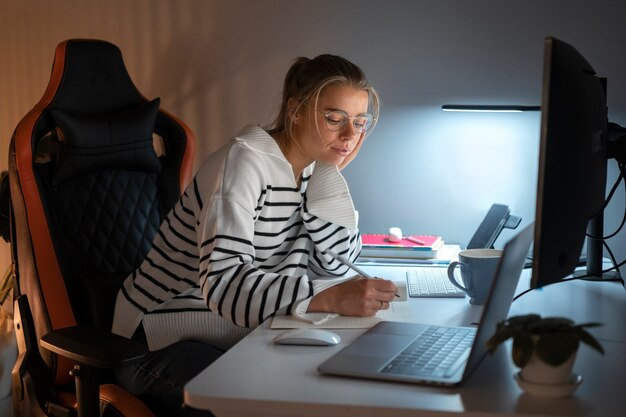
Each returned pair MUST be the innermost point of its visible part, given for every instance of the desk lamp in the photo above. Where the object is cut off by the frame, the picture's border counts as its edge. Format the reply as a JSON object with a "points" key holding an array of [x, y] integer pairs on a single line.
{"points": [[489, 108]]}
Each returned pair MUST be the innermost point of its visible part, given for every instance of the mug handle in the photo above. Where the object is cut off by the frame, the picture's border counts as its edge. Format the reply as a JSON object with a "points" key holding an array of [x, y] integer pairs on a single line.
{"points": [[451, 276]]}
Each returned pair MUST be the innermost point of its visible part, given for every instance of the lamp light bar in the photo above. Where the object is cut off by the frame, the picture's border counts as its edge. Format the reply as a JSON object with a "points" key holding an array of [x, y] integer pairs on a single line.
{"points": [[489, 108]]}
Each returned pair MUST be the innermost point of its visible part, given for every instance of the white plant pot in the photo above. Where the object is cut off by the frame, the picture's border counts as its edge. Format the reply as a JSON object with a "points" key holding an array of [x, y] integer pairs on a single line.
{"points": [[537, 371]]}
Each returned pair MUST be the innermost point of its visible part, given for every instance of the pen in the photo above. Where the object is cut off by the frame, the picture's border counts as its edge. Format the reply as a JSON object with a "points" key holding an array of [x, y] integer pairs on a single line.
{"points": [[414, 240], [351, 265]]}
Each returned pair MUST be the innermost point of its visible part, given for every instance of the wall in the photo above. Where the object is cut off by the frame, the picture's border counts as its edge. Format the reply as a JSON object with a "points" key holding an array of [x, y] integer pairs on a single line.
{"points": [[219, 65]]}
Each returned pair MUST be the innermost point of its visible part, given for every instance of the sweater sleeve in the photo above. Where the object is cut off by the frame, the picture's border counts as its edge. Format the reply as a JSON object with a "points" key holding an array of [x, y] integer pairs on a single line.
{"points": [[331, 221]]}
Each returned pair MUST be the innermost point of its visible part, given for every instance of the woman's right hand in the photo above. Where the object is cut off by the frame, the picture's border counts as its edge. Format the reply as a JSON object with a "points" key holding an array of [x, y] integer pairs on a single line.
{"points": [[359, 297]]}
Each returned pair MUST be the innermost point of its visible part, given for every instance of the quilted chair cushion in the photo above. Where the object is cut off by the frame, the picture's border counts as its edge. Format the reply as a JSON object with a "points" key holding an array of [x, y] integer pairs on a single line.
{"points": [[104, 224], [112, 217], [121, 140]]}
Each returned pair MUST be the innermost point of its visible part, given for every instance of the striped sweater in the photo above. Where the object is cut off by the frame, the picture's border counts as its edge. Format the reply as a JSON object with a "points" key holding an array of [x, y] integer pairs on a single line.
{"points": [[242, 244]]}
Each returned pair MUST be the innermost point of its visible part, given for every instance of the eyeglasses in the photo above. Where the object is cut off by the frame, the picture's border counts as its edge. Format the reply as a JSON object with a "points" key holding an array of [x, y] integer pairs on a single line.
{"points": [[337, 119]]}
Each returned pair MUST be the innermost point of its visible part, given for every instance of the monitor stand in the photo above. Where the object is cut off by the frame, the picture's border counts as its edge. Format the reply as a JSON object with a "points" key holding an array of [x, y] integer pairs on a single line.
{"points": [[595, 257], [616, 149]]}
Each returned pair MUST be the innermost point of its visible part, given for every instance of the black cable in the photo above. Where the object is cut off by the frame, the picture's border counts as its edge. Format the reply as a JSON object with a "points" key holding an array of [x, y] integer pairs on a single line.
{"points": [[621, 167], [621, 176], [613, 188], [583, 278], [613, 260]]}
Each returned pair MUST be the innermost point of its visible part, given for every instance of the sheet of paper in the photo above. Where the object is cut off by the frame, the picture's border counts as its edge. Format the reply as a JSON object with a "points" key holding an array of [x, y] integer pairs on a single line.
{"points": [[398, 311]]}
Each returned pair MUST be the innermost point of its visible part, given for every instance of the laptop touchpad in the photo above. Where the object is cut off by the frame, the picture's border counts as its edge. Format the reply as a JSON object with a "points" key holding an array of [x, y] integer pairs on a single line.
{"points": [[378, 344]]}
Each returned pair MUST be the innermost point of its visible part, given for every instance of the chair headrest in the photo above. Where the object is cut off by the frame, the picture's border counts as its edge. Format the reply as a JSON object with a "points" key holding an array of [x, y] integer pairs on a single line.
{"points": [[95, 79]]}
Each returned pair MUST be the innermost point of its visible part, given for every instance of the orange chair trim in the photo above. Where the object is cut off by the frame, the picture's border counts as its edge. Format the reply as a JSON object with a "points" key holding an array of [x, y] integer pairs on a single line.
{"points": [[122, 400], [53, 287], [111, 396]]}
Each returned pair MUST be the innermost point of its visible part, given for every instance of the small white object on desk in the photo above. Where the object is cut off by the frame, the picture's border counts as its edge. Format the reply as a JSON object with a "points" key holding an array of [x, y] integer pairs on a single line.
{"points": [[414, 240], [395, 235], [307, 337]]}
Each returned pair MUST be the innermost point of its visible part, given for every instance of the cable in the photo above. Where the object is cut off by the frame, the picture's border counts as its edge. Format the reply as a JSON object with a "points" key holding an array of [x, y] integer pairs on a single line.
{"points": [[613, 188], [621, 167], [621, 176], [584, 278], [608, 249]]}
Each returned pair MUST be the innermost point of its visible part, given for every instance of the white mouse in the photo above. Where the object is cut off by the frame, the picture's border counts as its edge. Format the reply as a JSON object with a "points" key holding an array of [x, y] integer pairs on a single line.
{"points": [[310, 337]]}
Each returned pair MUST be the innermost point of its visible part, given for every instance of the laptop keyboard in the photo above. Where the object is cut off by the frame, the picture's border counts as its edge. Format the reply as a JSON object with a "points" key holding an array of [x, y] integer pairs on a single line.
{"points": [[438, 351], [431, 282]]}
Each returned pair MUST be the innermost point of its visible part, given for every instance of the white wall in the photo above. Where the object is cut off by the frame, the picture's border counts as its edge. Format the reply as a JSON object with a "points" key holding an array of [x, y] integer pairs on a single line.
{"points": [[219, 65]]}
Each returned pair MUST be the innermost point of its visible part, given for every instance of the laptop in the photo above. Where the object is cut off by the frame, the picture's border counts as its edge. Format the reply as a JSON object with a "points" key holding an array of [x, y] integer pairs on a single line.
{"points": [[399, 351]]}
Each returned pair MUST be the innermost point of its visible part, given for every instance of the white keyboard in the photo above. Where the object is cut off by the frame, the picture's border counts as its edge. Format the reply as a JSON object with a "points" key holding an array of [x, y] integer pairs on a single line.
{"points": [[431, 282]]}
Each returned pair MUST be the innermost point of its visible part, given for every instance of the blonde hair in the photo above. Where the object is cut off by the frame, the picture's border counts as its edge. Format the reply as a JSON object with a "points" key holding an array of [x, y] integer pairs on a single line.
{"points": [[307, 78]]}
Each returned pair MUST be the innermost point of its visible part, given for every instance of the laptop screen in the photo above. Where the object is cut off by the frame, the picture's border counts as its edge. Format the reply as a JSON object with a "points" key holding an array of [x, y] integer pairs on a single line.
{"points": [[501, 294]]}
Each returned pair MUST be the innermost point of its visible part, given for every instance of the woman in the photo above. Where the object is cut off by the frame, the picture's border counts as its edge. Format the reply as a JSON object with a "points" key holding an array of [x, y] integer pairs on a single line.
{"points": [[246, 240]]}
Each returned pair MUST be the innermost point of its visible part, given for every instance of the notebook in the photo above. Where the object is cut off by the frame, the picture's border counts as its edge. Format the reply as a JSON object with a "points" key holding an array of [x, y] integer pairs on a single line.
{"points": [[378, 246], [399, 351]]}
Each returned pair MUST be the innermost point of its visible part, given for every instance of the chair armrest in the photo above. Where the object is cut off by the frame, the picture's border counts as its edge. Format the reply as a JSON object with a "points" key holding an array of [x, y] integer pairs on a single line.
{"points": [[94, 347]]}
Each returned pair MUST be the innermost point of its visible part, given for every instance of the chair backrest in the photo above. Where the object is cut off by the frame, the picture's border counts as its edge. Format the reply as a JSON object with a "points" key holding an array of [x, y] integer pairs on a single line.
{"points": [[94, 167]]}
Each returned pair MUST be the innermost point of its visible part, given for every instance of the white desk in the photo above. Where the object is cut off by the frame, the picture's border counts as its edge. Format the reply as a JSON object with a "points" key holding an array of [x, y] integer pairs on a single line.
{"points": [[258, 378]]}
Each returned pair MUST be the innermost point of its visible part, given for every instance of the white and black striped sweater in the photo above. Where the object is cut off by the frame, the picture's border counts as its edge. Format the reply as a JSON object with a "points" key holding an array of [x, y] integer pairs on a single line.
{"points": [[242, 244]]}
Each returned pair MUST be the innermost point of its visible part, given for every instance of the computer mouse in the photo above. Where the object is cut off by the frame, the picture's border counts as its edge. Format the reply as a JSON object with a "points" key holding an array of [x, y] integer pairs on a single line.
{"points": [[308, 337]]}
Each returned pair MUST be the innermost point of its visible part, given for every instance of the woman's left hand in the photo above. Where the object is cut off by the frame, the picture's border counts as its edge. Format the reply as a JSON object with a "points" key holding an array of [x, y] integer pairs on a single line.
{"points": [[352, 154]]}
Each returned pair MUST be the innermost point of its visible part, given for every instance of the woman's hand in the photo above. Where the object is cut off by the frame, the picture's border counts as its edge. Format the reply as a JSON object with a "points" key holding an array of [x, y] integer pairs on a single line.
{"points": [[359, 297], [352, 154]]}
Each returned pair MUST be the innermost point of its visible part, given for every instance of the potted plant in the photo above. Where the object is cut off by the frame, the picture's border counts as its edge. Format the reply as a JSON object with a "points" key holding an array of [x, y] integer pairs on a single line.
{"points": [[544, 348]]}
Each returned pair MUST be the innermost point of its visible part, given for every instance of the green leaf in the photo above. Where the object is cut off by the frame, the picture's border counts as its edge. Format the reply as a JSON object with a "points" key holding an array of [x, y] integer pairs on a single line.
{"points": [[522, 349], [500, 336], [556, 348], [588, 339], [588, 325]]}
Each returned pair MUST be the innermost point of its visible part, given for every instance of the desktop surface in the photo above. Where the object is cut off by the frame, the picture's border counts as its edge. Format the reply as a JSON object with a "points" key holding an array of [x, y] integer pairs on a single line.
{"points": [[259, 378]]}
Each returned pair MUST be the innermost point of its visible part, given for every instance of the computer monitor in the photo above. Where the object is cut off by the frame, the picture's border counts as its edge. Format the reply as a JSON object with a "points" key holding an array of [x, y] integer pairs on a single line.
{"points": [[572, 171]]}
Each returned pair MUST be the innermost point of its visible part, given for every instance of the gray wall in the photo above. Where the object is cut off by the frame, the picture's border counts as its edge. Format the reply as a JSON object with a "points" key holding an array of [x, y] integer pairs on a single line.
{"points": [[219, 65], [427, 170]]}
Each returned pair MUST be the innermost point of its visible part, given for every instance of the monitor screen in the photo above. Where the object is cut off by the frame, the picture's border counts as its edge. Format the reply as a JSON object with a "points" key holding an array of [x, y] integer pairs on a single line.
{"points": [[572, 163]]}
